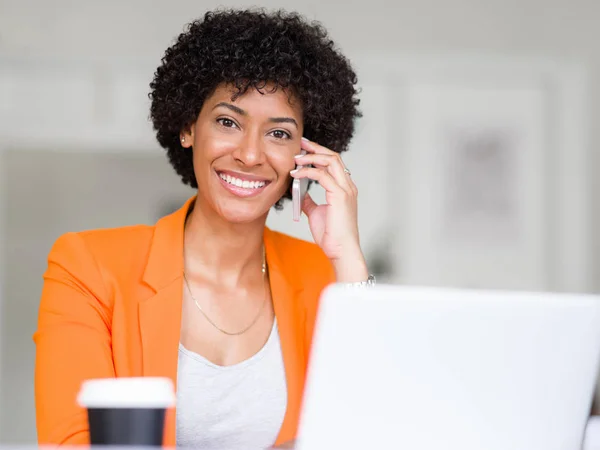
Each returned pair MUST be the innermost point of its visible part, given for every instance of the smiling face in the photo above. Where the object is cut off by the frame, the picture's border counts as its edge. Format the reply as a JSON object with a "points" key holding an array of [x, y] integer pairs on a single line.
{"points": [[244, 151]]}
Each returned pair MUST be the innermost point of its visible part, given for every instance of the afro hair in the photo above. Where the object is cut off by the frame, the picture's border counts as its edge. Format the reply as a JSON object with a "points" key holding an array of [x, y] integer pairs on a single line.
{"points": [[248, 49]]}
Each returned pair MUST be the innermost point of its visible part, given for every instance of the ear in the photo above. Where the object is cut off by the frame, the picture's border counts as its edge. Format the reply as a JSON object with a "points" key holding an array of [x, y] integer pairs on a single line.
{"points": [[186, 136]]}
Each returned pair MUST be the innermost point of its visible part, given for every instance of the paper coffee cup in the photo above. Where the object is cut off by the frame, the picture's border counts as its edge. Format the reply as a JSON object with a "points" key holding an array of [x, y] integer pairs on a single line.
{"points": [[127, 411]]}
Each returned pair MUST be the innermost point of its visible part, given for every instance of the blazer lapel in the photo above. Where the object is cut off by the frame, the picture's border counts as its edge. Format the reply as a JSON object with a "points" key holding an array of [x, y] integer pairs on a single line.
{"points": [[160, 315], [291, 324]]}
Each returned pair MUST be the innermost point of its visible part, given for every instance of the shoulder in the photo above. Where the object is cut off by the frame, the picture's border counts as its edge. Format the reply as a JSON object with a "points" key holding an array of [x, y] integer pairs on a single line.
{"points": [[105, 242], [110, 249], [311, 271], [290, 243], [304, 261]]}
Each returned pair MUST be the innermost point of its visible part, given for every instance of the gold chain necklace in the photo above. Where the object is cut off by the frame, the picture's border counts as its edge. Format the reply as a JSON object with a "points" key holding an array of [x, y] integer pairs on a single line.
{"points": [[262, 306]]}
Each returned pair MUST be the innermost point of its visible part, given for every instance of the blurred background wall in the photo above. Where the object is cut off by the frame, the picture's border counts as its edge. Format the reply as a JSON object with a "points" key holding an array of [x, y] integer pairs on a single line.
{"points": [[474, 159]]}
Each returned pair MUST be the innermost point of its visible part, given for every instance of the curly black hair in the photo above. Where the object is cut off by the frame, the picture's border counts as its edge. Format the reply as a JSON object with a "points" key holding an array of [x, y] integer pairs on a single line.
{"points": [[250, 48]]}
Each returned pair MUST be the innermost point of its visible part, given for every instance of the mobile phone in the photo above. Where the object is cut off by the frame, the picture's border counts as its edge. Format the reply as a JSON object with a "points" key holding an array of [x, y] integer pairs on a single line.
{"points": [[299, 188]]}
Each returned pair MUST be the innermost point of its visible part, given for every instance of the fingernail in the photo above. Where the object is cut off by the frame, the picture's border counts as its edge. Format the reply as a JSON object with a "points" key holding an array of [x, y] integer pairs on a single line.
{"points": [[293, 171], [304, 139], [299, 155]]}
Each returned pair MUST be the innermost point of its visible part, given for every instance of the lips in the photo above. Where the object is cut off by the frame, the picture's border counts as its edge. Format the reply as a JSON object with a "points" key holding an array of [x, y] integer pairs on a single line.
{"points": [[242, 185], [241, 182]]}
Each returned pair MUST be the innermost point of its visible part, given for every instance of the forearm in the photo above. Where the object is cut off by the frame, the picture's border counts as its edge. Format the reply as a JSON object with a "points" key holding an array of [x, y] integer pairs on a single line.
{"points": [[351, 268]]}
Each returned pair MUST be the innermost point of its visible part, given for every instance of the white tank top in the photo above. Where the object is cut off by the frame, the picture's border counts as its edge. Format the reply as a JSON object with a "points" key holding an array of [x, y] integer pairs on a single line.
{"points": [[232, 407]]}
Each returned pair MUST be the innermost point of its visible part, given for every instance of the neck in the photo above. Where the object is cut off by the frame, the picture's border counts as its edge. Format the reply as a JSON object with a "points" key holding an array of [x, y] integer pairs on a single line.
{"points": [[221, 251]]}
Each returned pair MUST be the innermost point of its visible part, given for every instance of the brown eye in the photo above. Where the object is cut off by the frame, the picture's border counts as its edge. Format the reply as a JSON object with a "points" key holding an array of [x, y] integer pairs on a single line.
{"points": [[280, 134], [227, 123]]}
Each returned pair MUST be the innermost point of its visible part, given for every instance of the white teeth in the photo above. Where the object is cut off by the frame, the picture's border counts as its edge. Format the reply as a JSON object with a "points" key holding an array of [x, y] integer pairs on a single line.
{"points": [[242, 183]]}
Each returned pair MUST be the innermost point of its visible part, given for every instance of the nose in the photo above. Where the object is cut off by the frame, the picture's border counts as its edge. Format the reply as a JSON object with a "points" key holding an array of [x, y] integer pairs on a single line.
{"points": [[251, 150]]}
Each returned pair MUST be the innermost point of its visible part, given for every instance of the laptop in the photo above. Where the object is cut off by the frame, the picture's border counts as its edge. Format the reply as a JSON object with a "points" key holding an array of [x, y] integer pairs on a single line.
{"points": [[419, 368]]}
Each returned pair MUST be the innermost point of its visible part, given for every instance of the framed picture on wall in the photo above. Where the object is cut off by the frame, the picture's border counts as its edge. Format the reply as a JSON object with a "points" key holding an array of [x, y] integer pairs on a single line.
{"points": [[488, 161], [480, 183], [475, 190]]}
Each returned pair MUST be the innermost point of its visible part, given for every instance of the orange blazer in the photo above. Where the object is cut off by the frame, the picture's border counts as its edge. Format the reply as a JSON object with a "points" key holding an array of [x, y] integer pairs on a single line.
{"points": [[111, 307]]}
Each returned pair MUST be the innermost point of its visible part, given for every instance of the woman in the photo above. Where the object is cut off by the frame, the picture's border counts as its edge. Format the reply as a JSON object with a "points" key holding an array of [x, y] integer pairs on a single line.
{"points": [[209, 296]]}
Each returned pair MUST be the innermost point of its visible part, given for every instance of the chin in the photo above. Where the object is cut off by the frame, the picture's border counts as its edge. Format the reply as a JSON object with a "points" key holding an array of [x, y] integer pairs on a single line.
{"points": [[241, 214]]}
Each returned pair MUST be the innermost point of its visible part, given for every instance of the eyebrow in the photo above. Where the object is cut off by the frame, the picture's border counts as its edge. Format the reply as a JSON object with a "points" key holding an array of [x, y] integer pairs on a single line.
{"points": [[241, 112]]}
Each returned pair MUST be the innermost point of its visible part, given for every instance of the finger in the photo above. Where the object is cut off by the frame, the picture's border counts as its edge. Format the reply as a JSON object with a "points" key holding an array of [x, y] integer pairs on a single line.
{"points": [[332, 163], [313, 147], [321, 159], [321, 176], [308, 205]]}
